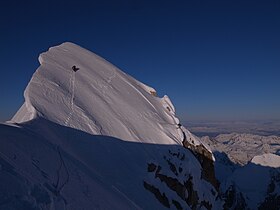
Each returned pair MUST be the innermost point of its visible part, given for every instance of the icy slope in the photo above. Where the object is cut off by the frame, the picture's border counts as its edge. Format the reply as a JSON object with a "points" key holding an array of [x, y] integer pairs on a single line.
{"points": [[98, 98], [98, 139], [268, 159], [247, 170], [255, 183], [49, 166], [241, 148]]}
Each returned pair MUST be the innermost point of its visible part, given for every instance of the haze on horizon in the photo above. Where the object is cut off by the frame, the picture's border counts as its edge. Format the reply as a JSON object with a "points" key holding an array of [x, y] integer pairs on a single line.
{"points": [[216, 60]]}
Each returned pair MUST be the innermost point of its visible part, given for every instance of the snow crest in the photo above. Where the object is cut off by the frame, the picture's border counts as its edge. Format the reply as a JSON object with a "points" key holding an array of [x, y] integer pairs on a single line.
{"points": [[89, 136], [97, 99]]}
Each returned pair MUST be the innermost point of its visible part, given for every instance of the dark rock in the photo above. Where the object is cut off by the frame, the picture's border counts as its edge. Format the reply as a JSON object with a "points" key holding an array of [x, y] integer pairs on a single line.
{"points": [[206, 161], [161, 197], [177, 205], [151, 167]]}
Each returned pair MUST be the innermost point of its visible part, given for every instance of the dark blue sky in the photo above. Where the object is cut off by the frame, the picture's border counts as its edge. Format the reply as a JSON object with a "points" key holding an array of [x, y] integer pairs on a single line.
{"points": [[217, 60]]}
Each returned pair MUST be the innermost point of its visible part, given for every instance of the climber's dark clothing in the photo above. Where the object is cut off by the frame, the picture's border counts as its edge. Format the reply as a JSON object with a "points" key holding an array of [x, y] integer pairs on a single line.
{"points": [[74, 68]]}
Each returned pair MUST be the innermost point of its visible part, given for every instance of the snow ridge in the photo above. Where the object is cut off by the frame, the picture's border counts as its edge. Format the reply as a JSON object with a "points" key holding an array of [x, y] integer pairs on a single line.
{"points": [[98, 133], [103, 99]]}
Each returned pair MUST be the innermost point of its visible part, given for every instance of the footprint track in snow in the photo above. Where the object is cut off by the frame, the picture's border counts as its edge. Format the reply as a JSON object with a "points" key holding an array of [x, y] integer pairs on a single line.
{"points": [[72, 88]]}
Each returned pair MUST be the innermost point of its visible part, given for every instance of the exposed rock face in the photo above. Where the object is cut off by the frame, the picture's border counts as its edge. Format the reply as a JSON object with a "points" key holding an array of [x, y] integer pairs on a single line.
{"points": [[181, 182], [272, 200], [205, 158], [234, 199], [203, 155], [160, 197], [153, 92]]}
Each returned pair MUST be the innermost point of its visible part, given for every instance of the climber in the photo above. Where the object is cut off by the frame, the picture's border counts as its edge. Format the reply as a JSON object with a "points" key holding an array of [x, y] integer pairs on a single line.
{"points": [[74, 68]]}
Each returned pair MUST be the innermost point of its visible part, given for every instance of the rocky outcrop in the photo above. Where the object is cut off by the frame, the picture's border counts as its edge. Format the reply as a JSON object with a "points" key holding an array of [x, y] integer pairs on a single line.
{"points": [[181, 183], [161, 197], [272, 200], [204, 156], [234, 199]]}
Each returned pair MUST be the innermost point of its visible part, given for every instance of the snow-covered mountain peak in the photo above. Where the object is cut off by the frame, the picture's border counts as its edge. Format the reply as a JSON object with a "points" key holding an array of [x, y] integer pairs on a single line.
{"points": [[267, 159], [88, 133], [76, 88]]}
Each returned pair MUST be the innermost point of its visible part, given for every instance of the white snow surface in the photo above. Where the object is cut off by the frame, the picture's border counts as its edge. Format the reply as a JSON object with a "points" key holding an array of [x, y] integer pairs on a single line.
{"points": [[267, 159], [98, 98], [249, 162], [83, 140], [241, 148]]}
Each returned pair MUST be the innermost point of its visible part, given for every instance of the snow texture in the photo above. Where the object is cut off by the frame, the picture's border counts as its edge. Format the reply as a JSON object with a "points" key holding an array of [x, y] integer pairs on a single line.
{"points": [[84, 140], [97, 99], [250, 163], [268, 159], [241, 148]]}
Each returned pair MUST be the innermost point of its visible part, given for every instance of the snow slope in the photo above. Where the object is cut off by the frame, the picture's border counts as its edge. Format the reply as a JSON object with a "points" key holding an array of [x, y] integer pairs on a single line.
{"points": [[98, 98], [247, 169], [74, 170], [268, 159], [241, 148], [96, 139]]}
